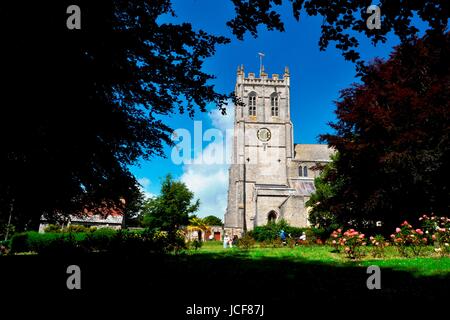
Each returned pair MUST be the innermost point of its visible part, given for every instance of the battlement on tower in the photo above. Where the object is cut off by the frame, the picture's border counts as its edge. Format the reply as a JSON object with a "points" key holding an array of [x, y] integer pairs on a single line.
{"points": [[251, 77]]}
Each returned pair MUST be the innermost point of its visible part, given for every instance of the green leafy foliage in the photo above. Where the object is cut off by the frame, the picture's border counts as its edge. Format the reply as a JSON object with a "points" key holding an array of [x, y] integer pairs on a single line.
{"points": [[212, 221], [246, 242], [106, 89], [196, 244], [341, 19], [437, 231], [271, 231], [392, 138], [409, 241], [321, 210], [101, 240], [171, 210], [52, 228], [378, 244], [350, 242]]}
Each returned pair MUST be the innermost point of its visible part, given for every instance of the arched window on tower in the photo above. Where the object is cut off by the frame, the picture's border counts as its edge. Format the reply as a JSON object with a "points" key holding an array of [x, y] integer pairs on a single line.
{"points": [[252, 104], [305, 171], [300, 171], [274, 104]]}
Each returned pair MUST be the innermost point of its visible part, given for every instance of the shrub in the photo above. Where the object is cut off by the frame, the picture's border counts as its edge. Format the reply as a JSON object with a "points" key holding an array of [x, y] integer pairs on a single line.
{"points": [[100, 240], [335, 239], [320, 233], [378, 243], [442, 238], [351, 241], [163, 241], [73, 228], [291, 242], [265, 233], [271, 231], [52, 228], [437, 230], [265, 244], [19, 242], [46, 243], [246, 242], [104, 239], [407, 240], [195, 244]]}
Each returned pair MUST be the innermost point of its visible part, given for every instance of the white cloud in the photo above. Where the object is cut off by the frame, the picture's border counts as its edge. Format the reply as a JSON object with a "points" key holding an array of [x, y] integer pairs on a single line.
{"points": [[209, 182], [222, 122], [144, 183]]}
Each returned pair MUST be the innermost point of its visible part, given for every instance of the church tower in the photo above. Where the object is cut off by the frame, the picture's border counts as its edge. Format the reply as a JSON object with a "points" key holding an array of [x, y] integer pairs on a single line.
{"points": [[262, 150]]}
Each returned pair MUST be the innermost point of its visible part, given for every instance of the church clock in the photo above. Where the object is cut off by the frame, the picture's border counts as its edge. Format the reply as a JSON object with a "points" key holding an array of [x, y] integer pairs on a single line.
{"points": [[264, 134]]}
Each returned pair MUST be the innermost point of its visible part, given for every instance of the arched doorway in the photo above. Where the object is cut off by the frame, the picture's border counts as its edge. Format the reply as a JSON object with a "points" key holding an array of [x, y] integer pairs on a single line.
{"points": [[272, 217]]}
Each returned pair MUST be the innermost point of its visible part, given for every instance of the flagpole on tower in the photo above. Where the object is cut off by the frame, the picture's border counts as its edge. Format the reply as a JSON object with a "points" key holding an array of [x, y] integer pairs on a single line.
{"points": [[261, 67]]}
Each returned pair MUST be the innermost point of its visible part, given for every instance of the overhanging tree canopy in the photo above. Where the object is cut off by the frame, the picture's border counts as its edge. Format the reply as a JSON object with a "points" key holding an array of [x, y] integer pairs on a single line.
{"points": [[343, 19], [80, 106]]}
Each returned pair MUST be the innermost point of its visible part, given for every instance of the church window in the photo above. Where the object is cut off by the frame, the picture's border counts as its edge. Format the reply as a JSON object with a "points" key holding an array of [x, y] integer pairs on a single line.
{"points": [[274, 104], [305, 171], [300, 171], [272, 217], [252, 104]]}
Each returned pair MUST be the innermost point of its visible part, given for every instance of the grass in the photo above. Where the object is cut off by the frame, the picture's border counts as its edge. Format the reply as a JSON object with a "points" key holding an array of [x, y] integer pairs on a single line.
{"points": [[286, 280], [426, 265]]}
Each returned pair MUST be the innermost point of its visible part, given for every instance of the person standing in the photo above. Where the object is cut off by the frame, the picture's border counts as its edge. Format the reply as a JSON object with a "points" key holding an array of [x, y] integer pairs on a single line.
{"points": [[283, 237], [226, 240]]}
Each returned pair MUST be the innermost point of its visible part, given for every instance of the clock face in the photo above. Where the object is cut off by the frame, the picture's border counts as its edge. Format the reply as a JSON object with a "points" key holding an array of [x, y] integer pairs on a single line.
{"points": [[264, 134]]}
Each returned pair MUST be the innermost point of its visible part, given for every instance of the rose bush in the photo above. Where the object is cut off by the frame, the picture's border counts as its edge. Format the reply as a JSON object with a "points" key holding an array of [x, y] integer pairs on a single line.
{"points": [[378, 243], [409, 240], [350, 242], [437, 229]]}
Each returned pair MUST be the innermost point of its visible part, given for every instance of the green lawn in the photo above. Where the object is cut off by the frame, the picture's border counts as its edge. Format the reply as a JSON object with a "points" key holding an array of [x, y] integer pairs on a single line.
{"points": [[284, 279], [426, 265]]}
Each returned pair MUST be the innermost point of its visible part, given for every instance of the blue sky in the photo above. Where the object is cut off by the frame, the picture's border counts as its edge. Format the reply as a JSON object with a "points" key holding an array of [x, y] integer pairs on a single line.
{"points": [[316, 79]]}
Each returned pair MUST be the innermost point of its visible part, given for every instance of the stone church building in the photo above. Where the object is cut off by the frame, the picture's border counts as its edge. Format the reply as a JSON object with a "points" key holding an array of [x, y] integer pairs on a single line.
{"points": [[270, 177]]}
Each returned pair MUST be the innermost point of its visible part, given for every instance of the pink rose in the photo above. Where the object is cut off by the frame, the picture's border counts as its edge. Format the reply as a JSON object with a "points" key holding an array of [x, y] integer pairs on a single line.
{"points": [[398, 230]]}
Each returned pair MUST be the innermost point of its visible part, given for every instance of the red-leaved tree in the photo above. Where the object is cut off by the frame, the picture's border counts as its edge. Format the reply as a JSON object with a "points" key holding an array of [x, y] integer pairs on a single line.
{"points": [[392, 135]]}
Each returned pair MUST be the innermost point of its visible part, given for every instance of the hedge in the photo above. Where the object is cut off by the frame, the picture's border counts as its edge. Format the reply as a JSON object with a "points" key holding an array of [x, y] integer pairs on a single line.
{"points": [[103, 239], [271, 231]]}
